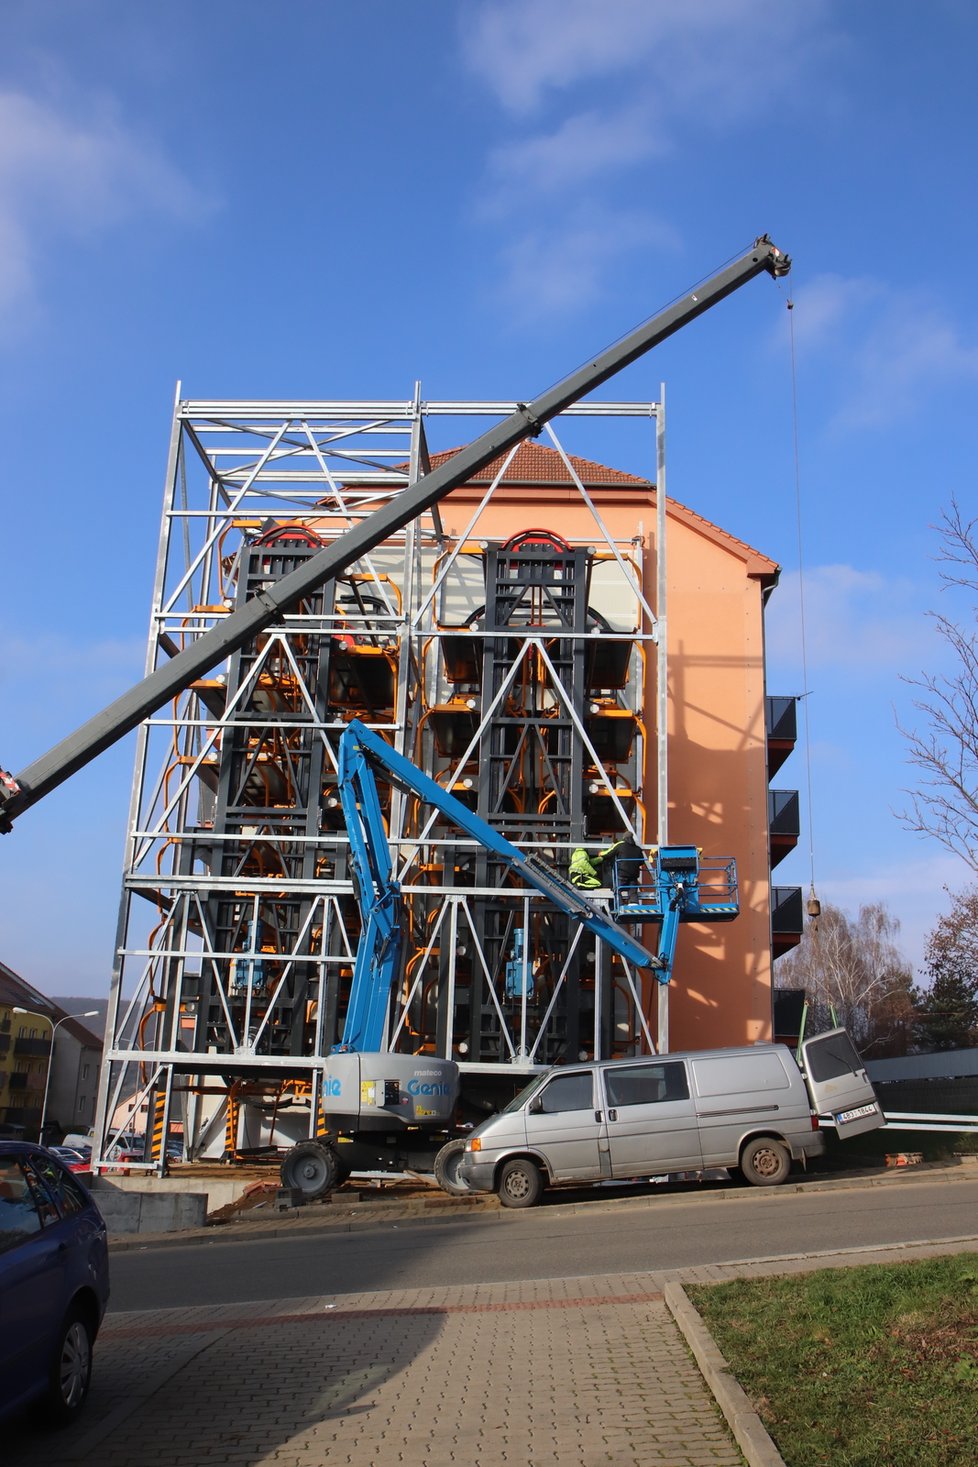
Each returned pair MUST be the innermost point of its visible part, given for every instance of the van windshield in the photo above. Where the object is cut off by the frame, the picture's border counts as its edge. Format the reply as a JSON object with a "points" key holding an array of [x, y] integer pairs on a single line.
{"points": [[518, 1101]]}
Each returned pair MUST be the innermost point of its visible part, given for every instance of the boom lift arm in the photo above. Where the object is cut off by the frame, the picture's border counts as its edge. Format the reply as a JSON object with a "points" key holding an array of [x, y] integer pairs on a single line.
{"points": [[378, 953], [241, 626]]}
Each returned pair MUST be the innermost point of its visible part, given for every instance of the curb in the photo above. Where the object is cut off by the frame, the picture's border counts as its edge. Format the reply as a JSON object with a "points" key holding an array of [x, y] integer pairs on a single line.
{"points": [[743, 1420]]}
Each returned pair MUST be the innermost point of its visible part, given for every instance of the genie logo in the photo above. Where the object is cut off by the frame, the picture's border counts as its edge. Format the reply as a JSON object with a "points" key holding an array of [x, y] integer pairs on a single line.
{"points": [[332, 1087], [422, 1087]]}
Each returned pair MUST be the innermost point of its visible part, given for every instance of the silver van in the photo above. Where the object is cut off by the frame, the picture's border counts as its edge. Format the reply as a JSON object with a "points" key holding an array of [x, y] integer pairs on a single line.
{"points": [[752, 1109]]}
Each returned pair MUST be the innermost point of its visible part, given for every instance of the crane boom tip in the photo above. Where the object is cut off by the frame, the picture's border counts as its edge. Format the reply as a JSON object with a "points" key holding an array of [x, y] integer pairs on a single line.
{"points": [[777, 262]]}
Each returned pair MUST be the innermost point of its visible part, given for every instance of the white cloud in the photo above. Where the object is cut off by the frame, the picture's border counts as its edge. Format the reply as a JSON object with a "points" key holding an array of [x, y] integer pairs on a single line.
{"points": [[548, 269], [886, 347], [583, 147], [861, 621], [913, 891], [76, 177], [648, 74], [728, 53]]}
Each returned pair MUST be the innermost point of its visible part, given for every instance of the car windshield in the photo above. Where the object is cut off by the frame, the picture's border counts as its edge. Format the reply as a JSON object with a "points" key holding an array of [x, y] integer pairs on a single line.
{"points": [[518, 1101]]}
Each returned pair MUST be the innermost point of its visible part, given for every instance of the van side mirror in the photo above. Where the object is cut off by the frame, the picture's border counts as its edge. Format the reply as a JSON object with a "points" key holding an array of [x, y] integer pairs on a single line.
{"points": [[535, 1106]]}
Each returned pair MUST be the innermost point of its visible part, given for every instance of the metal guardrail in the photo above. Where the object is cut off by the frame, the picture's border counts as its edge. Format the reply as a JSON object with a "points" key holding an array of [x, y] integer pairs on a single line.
{"points": [[910, 1120]]}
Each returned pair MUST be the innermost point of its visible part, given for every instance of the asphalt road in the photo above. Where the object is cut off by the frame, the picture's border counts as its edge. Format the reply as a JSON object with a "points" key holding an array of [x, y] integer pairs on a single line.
{"points": [[550, 1242]]}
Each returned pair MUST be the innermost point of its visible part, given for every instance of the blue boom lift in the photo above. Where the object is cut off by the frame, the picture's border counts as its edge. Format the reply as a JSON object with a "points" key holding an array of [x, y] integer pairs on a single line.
{"points": [[669, 886]]}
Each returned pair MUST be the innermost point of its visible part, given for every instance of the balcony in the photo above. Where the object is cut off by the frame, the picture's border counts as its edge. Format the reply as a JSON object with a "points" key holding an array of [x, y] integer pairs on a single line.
{"points": [[784, 823], [781, 722], [33, 1048], [787, 919]]}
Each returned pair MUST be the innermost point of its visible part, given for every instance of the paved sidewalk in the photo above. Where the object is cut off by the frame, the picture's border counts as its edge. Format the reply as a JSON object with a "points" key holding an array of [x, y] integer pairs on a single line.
{"points": [[579, 1372]]}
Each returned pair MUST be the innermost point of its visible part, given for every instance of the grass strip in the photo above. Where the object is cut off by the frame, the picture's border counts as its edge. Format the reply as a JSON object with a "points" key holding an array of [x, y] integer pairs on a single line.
{"points": [[858, 1367]]}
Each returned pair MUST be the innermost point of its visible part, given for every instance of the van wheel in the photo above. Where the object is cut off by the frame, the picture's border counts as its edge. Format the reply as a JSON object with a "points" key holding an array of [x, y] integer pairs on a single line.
{"points": [[520, 1183], [764, 1162], [446, 1168]]}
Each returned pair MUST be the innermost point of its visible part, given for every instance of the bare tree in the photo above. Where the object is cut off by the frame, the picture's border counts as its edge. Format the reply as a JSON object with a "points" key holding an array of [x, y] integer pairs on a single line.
{"points": [[945, 750], [852, 971]]}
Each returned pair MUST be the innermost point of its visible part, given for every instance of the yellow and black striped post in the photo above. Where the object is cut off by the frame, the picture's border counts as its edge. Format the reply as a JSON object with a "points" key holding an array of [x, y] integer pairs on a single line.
{"points": [[158, 1132], [231, 1124]]}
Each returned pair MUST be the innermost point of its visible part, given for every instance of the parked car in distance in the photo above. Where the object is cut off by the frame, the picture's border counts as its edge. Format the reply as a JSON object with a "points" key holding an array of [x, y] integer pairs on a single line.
{"points": [[77, 1141], [75, 1161], [126, 1149], [54, 1283]]}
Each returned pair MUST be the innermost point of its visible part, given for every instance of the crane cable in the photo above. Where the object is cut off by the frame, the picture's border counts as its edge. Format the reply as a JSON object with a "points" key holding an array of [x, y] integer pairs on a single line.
{"points": [[813, 905]]}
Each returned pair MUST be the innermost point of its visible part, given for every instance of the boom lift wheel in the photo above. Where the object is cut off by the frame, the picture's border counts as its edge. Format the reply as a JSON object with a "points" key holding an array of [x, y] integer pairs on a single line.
{"points": [[312, 1168], [446, 1168]]}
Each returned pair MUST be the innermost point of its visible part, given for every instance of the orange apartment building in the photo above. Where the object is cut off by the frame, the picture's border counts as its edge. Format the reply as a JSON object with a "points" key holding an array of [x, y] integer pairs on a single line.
{"points": [[726, 737]]}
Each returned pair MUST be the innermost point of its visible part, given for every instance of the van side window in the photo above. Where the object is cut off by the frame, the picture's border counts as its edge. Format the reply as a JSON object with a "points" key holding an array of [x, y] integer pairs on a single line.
{"points": [[646, 1084], [568, 1092]]}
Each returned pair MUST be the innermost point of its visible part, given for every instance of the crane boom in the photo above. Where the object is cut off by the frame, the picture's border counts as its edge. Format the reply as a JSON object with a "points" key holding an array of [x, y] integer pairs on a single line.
{"points": [[18, 793]]}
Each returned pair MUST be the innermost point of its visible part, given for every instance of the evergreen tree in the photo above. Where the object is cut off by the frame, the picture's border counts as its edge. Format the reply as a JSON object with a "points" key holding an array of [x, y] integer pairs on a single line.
{"points": [[946, 1009]]}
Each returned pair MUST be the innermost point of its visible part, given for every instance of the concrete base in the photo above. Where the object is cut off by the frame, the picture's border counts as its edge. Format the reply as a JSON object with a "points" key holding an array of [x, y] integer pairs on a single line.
{"points": [[141, 1209], [219, 1191]]}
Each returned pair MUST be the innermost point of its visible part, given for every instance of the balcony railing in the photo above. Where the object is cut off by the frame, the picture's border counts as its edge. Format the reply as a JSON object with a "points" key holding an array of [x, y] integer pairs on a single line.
{"points": [[35, 1048], [781, 720], [784, 823], [787, 919]]}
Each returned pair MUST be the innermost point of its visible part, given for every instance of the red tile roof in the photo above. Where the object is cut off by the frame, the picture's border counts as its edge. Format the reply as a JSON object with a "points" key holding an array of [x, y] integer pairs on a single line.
{"points": [[534, 463]]}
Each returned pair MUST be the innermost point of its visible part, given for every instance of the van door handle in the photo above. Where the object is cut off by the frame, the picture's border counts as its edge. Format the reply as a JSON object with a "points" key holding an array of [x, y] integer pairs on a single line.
{"points": [[612, 1115], [597, 1115]]}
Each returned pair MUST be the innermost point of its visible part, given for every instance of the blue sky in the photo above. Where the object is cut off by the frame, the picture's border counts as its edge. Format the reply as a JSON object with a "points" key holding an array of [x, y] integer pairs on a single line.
{"points": [[332, 200]]}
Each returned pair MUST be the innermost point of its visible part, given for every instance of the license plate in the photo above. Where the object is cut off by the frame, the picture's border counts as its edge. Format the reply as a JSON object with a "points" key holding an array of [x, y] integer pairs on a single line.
{"points": [[854, 1115]]}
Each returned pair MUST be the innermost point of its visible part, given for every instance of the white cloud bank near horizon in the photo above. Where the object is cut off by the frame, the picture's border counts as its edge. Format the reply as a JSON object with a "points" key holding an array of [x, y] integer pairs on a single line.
{"points": [[860, 622], [916, 892]]}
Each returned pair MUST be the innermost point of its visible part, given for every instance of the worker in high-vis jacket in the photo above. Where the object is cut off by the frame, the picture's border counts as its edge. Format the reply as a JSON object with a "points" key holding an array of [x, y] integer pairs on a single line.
{"points": [[588, 872], [582, 870]]}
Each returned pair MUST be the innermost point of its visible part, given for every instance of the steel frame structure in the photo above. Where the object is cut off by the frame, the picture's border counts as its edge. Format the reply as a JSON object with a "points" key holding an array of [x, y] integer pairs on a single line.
{"points": [[236, 929]]}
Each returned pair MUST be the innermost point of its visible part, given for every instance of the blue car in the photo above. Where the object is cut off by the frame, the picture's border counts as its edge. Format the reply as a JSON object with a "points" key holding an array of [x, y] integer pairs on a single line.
{"points": [[54, 1283]]}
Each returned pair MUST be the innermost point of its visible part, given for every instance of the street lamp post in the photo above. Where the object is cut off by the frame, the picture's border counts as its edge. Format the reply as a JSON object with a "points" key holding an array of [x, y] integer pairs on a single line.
{"points": [[55, 1025]]}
